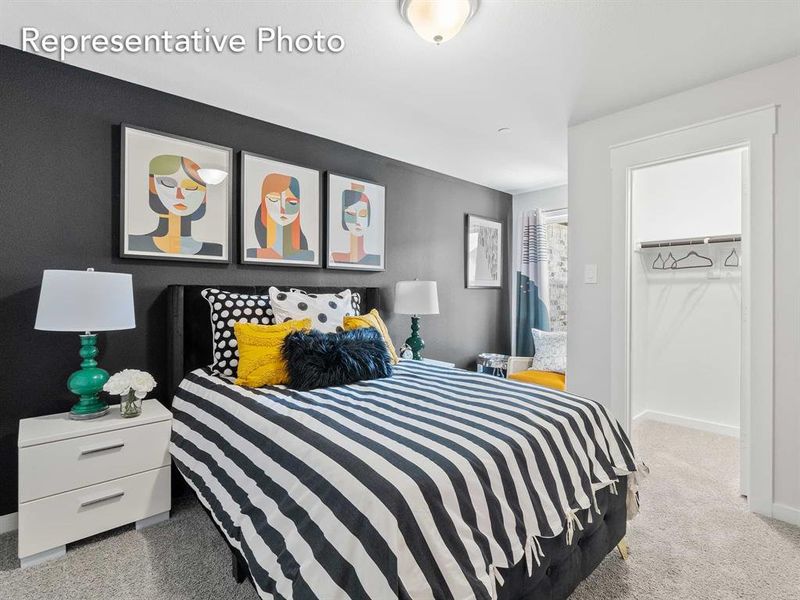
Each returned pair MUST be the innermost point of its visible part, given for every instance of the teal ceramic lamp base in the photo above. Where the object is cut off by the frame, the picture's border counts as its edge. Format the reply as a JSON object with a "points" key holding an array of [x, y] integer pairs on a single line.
{"points": [[415, 342], [88, 382]]}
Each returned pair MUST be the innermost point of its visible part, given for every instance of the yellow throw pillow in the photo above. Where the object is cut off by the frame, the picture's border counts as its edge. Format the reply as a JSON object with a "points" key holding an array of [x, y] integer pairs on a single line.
{"points": [[260, 359], [372, 319]]}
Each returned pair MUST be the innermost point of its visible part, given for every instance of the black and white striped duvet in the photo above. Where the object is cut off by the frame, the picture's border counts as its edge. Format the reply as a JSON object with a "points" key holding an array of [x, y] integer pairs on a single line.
{"points": [[417, 486]]}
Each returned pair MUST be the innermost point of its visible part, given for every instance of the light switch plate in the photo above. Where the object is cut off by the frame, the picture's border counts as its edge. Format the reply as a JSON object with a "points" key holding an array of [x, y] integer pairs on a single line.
{"points": [[590, 274]]}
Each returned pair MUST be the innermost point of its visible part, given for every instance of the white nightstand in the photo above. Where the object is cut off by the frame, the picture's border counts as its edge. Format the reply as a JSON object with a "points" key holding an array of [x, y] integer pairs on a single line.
{"points": [[80, 478]]}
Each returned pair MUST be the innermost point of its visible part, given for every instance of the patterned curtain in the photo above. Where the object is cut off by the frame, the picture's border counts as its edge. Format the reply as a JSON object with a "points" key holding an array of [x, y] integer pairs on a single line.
{"points": [[532, 281]]}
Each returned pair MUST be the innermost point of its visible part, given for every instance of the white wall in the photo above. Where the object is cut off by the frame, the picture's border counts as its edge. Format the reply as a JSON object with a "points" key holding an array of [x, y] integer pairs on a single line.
{"points": [[590, 204], [546, 199], [686, 325], [694, 197]]}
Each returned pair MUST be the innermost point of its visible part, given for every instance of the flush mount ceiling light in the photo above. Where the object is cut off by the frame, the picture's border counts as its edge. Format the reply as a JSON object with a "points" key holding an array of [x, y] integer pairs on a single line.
{"points": [[437, 21], [212, 176]]}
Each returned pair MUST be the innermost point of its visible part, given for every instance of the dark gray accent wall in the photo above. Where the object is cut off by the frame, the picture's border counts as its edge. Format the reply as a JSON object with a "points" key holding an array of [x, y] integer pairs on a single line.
{"points": [[59, 208]]}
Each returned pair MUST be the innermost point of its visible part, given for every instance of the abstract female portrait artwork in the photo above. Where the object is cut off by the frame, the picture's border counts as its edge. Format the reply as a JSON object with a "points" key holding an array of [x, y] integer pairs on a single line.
{"points": [[484, 252], [168, 210], [356, 224], [279, 213]]}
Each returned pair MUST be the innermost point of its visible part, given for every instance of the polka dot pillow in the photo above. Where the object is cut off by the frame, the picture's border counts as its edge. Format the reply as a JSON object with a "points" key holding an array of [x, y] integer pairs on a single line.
{"points": [[326, 311], [354, 296], [228, 308]]}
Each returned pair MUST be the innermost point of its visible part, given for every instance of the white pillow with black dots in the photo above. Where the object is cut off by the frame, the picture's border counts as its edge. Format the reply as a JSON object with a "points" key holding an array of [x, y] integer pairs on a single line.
{"points": [[326, 311], [354, 296], [228, 308]]}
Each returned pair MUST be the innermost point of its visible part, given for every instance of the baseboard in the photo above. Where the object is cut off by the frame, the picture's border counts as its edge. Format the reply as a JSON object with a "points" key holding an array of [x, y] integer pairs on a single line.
{"points": [[710, 426], [786, 513], [8, 522]]}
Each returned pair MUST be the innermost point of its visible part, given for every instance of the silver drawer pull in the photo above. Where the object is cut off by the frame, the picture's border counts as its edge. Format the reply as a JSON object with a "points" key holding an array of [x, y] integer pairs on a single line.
{"points": [[109, 496], [109, 446]]}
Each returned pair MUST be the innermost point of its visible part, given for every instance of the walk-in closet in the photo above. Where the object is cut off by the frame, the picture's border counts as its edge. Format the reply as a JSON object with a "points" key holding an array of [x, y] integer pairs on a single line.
{"points": [[686, 291]]}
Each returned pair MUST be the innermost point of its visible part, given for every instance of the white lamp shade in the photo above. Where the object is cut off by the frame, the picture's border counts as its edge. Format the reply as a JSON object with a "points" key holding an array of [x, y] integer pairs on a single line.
{"points": [[85, 301], [416, 298]]}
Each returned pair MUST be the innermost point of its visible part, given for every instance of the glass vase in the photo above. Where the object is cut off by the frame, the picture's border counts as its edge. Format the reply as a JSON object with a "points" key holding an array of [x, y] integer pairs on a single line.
{"points": [[130, 405]]}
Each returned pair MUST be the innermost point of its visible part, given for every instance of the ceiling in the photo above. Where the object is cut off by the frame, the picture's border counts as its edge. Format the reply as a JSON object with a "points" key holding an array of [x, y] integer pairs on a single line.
{"points": [[533, 66]]}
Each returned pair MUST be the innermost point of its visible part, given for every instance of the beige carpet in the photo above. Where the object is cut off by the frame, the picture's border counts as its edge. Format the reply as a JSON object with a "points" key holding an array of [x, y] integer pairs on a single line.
{"points": [[694, 538], [693, 541]]}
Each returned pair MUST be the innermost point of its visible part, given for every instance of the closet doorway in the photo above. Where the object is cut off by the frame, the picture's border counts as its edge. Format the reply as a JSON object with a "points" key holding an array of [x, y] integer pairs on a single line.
{"points": [[753, 131], [686, 292]]}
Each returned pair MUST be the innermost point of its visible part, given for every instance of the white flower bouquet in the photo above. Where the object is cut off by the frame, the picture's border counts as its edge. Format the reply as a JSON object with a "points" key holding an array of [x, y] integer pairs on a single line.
{"points": [[132, 386]]}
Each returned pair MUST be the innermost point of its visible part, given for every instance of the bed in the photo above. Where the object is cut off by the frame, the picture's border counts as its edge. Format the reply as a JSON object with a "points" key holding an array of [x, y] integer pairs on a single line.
{"points": [[434, 483]]}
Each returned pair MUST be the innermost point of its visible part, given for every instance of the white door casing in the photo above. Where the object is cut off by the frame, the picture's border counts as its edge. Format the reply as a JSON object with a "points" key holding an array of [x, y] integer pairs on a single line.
{"points": [[753, 130]]}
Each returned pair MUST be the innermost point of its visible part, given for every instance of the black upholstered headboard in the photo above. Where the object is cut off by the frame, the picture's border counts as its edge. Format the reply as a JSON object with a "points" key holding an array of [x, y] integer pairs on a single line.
{"points": [[189, 323]]}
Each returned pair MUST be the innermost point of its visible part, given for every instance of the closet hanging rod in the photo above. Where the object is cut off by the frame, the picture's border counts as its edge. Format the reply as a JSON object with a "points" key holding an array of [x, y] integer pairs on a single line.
{"points": [[716, 239]]}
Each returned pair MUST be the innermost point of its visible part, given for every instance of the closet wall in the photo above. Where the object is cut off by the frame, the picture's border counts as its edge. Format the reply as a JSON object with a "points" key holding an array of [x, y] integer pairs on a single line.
{"points": [[686, 324]]}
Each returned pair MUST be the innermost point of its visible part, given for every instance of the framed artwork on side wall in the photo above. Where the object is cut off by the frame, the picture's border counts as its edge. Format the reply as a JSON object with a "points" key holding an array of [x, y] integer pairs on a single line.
{"points": [[168, 211], [483, 252], [280, 217], [356, 227]]}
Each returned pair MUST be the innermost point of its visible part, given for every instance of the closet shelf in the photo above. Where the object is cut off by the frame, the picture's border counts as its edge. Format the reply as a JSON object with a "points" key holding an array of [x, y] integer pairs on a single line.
{"points": [[716, 239]]}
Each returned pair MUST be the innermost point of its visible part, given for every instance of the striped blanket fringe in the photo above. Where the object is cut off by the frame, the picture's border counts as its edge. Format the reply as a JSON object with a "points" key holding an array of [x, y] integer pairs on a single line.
{"points": [[533, 548], [497, 581], [533, 551]]}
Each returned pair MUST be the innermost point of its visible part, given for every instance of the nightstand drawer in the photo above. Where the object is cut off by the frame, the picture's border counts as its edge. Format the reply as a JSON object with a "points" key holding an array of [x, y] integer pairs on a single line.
{"points": [[65, 518], [56, 467]]}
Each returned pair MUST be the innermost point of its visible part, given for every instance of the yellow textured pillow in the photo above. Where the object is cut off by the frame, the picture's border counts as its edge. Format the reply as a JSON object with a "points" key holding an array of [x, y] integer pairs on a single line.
{"points": [[372, 319], [260, 360]]}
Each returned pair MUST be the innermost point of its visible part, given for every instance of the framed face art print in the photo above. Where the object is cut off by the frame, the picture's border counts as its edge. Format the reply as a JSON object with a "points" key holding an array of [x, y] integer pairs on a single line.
{"points": [[356, 227], [483, 240], [280, 215], [168, 211]]}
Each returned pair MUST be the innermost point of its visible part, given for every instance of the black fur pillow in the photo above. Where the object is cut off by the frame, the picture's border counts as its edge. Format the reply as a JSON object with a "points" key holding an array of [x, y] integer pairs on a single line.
{"points": [[316, 359]]}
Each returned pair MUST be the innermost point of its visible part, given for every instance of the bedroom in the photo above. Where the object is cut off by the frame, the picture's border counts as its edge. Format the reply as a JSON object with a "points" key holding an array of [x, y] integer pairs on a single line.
{"points": [[382, 171]]}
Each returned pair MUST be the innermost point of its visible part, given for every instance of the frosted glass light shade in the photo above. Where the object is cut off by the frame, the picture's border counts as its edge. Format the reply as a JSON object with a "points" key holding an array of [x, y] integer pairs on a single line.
{"points": [[212, 176], [438, 21], [416, 298], [85, 301]]}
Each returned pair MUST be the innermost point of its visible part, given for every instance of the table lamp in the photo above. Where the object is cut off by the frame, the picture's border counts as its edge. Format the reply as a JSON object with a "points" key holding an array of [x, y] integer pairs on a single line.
{"points": [[416, 298], [86, 301]]}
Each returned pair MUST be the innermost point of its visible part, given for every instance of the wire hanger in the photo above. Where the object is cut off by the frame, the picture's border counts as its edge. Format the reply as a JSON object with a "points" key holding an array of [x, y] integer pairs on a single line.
{"points": [[668, 264], [733, 258], [708, 262], [656, 265]]}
